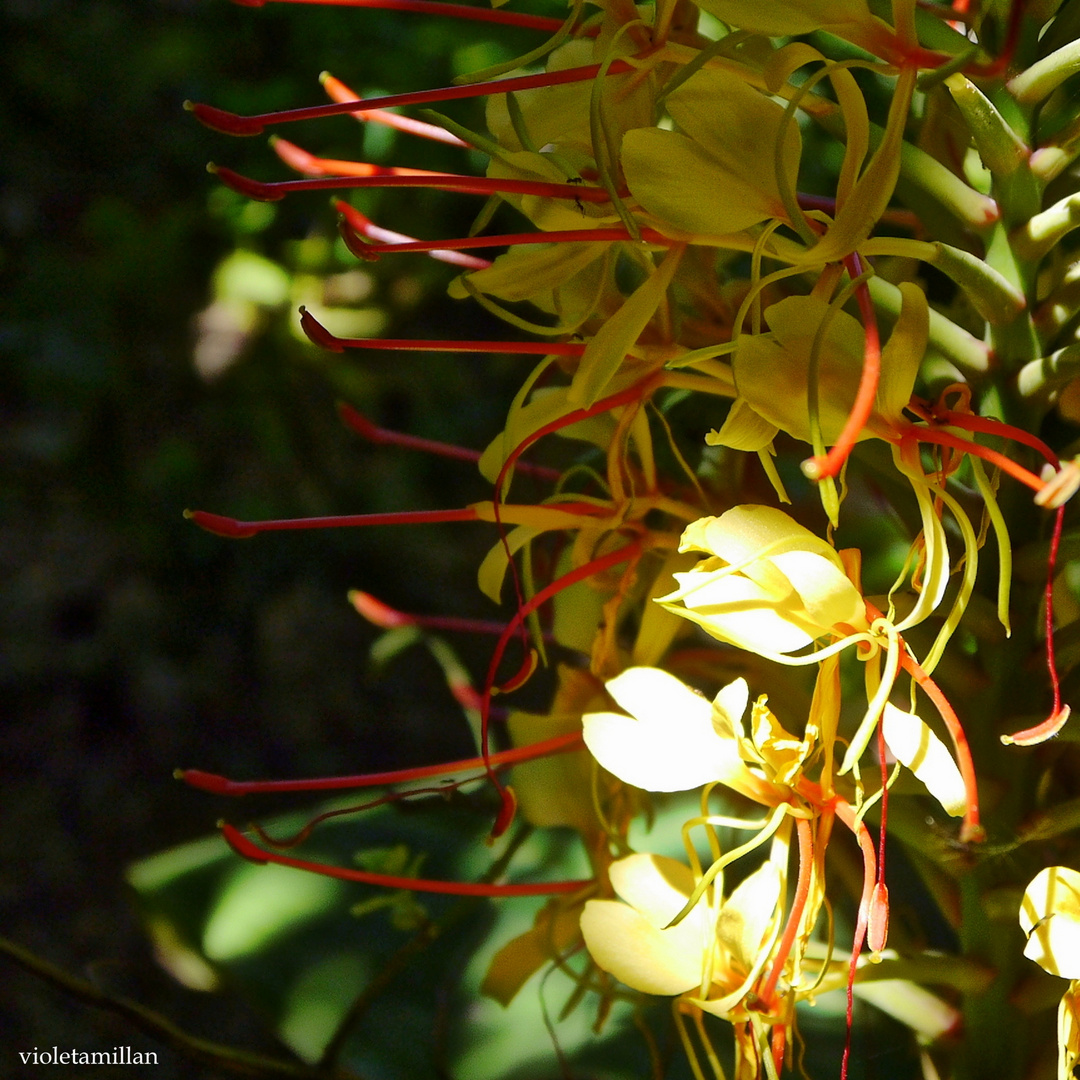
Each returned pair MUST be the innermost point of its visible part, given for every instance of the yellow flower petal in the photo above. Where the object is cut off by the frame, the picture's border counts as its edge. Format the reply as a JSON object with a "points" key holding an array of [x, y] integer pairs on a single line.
{"points": [[671, 745], [1050, 916], [917, 747]]}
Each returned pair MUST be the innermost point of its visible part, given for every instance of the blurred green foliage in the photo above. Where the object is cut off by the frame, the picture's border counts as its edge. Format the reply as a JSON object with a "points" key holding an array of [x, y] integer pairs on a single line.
{"points": [[132, 643]]}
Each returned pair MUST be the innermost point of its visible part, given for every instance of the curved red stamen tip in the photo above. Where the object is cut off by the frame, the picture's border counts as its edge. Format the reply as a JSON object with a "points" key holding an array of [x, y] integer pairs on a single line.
{"points": [[204, 781], [317, 334], [378, 613], [359, 423], [521, 676], [506, 813], [241, 844], [253, 189], [355, 242], [221, 526], [226, 122], [1040, 732]]}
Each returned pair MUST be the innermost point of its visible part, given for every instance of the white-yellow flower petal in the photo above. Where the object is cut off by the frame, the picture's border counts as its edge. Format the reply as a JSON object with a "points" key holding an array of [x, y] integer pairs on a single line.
{"points": [[1050, 916], [628, 940], [917, 747], [670, 746]]}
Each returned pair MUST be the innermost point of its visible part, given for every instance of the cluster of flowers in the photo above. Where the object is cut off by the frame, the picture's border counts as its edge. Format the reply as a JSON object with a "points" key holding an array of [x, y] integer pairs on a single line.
{"points": [[656, 152]]}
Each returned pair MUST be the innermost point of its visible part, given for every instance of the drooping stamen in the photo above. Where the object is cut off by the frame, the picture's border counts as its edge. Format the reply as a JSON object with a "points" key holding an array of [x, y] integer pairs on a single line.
{"points": [[248, 850], [336, 90], [469, 185], [385, 437], [319, 335], [231, 124], [1060, 713], [300, 160], [220, 785], [355, 222], [971, 832], [877, 923], [242, 530], [434, 7], [798, 905], [846, 814], [819, 468]]}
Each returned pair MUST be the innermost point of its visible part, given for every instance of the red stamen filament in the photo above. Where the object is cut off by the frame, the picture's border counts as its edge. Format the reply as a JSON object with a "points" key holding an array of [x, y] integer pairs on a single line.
{"points": [[470, 185], [1059, 714], [587, 570], [248, 850], [971, 831], [798, 905], [307, 163], [384, 437], [241, 530], [866, 844], [818, 468], [989, 426], [336, 90], [967, 446], [232, 124], [356, 222], [322, 337], [383, 615], [434, 7], [568, 236], [220, 785]]}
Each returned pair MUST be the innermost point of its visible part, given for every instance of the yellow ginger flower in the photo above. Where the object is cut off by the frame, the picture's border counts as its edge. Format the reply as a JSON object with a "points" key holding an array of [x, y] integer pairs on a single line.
{"points": [[1050, 916], [713, 955], [676, 740], [769, 585]]}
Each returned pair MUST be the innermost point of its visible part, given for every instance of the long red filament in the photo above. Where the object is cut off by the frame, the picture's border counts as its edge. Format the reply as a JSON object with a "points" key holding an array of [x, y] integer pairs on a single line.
{"points": [[220, 785], [967, 446], [798, 905], [818, 468], [385, 437], [383, 615], [565, 236], [232, 124], [302, 161], [248, 850], [319, 335], [971, 831], [434, 7], [336, 90], [356, 222], [847, 815], [470, 185], [242, 530], [587, 570]]}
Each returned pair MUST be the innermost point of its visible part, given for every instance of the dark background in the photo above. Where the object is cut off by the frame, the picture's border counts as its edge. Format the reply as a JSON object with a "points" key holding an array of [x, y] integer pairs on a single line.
{"points": [[132, 643]]}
